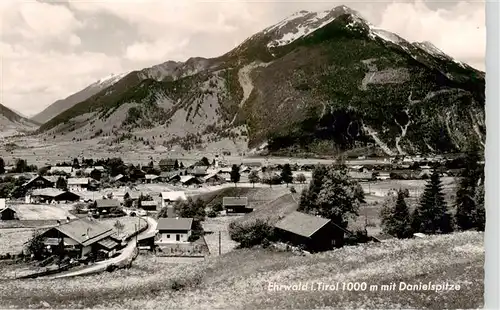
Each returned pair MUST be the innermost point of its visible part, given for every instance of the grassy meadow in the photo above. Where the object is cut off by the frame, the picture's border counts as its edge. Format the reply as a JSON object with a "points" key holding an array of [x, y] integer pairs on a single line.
{"points": [[240, 279]]}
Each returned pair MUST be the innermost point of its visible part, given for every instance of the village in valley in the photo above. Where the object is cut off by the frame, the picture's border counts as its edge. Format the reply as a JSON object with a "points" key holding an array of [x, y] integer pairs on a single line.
{"points": [[93, 215]]}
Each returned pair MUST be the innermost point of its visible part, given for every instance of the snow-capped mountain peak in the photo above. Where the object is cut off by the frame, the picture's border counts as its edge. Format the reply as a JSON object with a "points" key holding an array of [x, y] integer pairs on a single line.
{"points": [[111, 79], [303, 23]]}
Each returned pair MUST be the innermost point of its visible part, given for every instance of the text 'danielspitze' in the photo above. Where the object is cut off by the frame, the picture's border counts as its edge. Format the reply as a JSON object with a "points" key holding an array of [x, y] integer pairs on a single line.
{"points": [[362, 286]]}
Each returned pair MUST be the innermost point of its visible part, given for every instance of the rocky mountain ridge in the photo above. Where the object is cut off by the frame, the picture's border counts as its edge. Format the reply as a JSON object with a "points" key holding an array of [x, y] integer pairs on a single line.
{"points": [[322, 82]]}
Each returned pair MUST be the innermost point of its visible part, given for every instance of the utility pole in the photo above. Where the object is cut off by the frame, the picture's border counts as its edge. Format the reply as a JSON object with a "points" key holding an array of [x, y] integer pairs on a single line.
{"points": [[219, 244]]}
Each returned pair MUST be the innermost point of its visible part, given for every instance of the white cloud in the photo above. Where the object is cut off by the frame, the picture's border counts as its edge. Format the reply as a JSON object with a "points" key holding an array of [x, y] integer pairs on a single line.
{"points": [[153, 51], [34, 75], [459, 31]]}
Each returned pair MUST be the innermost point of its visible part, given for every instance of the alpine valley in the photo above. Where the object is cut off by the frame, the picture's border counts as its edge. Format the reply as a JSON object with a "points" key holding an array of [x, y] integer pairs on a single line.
{"points": [[315, 83]]}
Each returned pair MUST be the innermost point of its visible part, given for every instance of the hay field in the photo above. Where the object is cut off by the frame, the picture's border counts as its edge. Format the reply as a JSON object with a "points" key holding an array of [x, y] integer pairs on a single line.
{"points": [[13, 239], [41, 212], [241, 279]]}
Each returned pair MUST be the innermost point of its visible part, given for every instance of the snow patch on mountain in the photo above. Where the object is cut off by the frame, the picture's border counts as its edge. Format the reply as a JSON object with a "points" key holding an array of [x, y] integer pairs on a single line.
{"points": [[308, 22], [110, 79]]}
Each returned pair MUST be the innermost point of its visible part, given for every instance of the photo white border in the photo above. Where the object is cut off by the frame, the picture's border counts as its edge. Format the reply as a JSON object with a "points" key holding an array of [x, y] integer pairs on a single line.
{"points": [[492, 171]]}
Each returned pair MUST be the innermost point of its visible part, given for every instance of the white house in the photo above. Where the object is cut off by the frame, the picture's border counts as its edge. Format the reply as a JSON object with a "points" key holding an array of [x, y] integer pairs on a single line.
{"points": [[78, 184], [2, 203], [173, 230], [168, 198]]}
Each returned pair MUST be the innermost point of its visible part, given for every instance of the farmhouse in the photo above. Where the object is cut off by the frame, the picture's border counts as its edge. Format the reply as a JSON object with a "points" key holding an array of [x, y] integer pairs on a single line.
{"points": [[213, 178], [167, 164], [38, 182], [168, 198], [150, 178], [188, 180], [148, 205], [80, 237], [105, 206], [236, 204], [146, 241], [51, 195], [78, 184], [312, 232], [198, 171], [58, 170], [170, 176], [174, 230]]}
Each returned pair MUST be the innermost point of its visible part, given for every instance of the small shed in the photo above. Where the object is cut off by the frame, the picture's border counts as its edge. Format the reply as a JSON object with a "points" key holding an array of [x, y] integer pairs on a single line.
{"points": [[236, 205], [311, 232], [105, 206]]}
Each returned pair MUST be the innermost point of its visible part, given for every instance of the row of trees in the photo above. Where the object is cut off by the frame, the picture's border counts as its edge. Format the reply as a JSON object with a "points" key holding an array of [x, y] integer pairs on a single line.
{"points": [[432, 214], [21, 166], [285, 176]]}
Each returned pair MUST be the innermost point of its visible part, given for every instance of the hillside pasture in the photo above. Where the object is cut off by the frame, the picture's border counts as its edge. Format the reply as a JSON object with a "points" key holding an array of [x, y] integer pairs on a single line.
{"points": [[12, 240], [241, 279]]}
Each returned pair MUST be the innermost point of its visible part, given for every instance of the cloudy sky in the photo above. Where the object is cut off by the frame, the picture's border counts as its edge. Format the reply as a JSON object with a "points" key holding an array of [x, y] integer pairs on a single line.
{"points": [[51, 49]]}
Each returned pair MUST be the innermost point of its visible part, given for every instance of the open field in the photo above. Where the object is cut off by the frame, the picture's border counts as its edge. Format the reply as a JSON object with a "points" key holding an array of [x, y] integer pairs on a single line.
{"points": [[39, 212], [240, 279], [216, 225], [13, 239]]}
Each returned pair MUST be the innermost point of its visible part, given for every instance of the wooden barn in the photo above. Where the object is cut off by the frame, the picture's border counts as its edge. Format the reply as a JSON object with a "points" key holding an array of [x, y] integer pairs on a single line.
{"points": [[313, 233], [236, 205]]}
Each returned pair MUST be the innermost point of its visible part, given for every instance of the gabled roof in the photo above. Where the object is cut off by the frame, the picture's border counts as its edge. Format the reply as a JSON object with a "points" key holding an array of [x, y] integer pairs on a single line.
{"points": [[175, 223], [186, 178], [84, 231], [167, 162], [198, 170], [301, 224], [173, 196], [169, 174], [210, 176], [38, 177], [149, 203], [78, 181], [150, 176], [66, 169], [107, 203], [47, 192], [235, 201]]}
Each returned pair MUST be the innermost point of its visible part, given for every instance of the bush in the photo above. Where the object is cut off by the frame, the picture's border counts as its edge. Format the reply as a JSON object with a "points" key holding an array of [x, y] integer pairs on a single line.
{"points": [[359, 236], [212, 213], [259, 232], [217, 207]]}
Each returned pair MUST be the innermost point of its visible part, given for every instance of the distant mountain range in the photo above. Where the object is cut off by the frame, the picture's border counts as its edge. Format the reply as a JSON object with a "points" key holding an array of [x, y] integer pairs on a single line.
{"points": [[64, 104], [317, 82], [11, 123]]}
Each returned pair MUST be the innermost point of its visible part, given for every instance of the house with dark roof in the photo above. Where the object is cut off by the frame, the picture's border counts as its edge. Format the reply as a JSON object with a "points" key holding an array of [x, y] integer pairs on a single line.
{"points": [[51, 195], [170, 176], [311, 232], [173, 230], [188, 180], [236, 205], [106, 206], [38, 182], [148, 205], [198, 171], [80, 237], [167, 164]]}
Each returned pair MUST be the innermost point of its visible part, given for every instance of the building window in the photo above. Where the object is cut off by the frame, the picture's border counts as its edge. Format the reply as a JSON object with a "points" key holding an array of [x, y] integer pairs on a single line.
{"points": [[168, 236], [178, 237]]}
